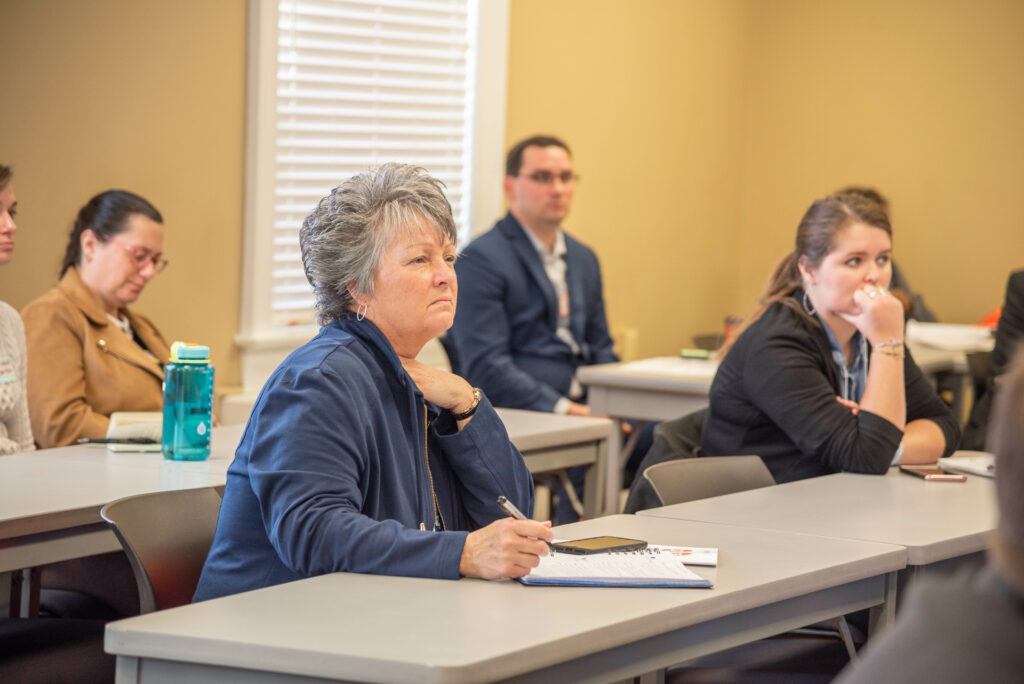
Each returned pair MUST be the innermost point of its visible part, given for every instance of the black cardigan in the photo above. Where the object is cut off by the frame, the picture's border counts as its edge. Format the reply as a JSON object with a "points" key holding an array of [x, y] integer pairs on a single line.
{"points": [[775, 396]]}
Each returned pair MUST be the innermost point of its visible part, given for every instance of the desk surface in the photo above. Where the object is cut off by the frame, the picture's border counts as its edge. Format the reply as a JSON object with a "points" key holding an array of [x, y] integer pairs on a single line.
{"points": [[532, 430], [374, 628], [54, 489], [677, 375], [664, 374], [933, 520]]}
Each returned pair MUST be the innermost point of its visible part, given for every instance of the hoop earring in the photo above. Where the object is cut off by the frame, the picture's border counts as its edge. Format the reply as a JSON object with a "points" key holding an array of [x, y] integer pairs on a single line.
{"points": [[808, 305], [361, 312]]}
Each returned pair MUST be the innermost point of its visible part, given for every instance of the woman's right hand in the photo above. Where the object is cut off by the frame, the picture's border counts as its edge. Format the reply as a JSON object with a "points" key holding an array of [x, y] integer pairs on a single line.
{"points": [[506, 548], [881, 315]]}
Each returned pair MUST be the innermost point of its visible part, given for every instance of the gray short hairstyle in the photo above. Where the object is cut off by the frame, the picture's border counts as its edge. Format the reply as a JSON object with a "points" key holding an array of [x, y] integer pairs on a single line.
{"points": [[345, 237]]}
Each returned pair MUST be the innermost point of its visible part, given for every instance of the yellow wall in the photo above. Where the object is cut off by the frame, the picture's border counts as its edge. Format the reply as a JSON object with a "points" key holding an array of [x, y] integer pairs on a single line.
{"points": [[649, 96], [925, 100], [702, 130], [144, 95]]}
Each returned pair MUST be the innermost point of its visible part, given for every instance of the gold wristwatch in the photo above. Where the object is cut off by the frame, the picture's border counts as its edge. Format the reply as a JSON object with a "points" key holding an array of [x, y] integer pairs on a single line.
{"points": [[477, 396]]}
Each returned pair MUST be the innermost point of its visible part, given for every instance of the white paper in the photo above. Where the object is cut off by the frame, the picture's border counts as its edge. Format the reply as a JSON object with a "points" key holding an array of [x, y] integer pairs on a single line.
{"points": [[638, 565], [690, 555], [978, 463], [950, 336]]}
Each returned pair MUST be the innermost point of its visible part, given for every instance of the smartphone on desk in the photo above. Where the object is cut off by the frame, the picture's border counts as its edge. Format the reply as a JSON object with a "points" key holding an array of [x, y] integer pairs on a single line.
{"points": [[583, 547], [929, 472]]}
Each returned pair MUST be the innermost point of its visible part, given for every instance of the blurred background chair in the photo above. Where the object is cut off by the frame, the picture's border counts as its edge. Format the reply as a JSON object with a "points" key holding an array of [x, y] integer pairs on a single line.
{"points": [[702, 478]]}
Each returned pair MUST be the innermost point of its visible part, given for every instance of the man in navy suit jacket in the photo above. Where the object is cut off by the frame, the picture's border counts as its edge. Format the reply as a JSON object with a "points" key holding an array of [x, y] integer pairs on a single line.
{"points": [[531, 306]]}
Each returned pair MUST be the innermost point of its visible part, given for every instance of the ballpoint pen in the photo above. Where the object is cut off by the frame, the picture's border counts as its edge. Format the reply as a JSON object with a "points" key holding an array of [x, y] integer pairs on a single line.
{"points": [[510, 508], [117, 440]]}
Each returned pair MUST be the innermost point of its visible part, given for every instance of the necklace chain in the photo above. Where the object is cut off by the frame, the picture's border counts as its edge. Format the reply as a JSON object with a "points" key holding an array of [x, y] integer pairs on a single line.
{"points": [[430, 475]]}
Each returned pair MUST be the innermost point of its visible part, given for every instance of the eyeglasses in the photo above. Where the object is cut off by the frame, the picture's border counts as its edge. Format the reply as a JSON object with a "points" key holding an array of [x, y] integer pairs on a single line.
{"points": [[142, 256], [548, 178]]}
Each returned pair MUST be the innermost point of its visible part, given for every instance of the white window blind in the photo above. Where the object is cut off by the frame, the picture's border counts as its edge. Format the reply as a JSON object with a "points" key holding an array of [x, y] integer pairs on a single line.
{"points": [[360, 83]]}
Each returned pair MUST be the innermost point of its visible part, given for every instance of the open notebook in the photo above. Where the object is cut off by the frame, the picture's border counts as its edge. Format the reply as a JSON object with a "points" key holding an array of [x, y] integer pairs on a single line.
{"points": [[656, 566], [135, 425]]}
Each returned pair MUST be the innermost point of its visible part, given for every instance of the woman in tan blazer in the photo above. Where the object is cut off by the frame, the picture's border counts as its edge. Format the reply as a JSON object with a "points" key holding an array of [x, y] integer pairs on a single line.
{"points": [[88, 354]]}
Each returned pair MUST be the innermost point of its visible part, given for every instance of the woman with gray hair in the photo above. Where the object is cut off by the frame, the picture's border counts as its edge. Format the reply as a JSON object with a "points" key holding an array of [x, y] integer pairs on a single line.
{"points": [[357, 457]]}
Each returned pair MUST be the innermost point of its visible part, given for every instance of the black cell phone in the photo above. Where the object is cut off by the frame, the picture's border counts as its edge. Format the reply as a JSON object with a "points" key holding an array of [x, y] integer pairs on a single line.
{"points": [[582, 547]]}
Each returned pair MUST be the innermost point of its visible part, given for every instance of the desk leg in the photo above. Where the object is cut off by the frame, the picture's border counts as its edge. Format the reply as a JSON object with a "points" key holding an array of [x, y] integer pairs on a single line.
{"points": [[613, 470], [881, 617], [964, 389], [593, 483], [24, 593], [656, 677]]}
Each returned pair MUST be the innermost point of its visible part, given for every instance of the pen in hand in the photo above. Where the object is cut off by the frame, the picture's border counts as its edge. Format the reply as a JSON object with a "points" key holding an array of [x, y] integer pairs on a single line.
{"points": [[510, 508]]}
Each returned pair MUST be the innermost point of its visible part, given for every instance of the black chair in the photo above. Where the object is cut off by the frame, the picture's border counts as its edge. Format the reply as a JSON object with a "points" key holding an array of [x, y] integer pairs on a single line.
{"points": [[166, 536]]}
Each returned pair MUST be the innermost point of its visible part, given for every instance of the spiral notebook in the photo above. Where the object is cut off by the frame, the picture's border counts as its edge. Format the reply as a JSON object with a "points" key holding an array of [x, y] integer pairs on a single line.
{"points": [[656, 566]]}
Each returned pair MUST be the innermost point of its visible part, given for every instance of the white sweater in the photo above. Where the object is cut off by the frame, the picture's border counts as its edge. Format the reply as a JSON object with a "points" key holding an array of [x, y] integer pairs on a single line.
{"points": [[15, 430]]}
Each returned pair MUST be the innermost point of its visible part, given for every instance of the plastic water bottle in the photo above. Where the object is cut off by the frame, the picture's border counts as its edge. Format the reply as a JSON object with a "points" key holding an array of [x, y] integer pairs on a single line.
{"points": [[188, 403]]}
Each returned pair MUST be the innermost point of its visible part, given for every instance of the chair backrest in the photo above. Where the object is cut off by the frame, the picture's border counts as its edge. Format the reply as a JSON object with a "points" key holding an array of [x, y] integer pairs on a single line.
{"points": [[166, 536], [702, 478]]}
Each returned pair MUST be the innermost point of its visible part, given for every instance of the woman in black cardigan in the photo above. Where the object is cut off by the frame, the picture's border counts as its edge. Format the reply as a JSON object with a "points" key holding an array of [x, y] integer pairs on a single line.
{"points": [[819, 380]]}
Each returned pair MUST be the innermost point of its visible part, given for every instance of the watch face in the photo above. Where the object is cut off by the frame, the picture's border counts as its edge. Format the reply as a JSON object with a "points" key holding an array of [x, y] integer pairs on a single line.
{"points": [[477, 395]]}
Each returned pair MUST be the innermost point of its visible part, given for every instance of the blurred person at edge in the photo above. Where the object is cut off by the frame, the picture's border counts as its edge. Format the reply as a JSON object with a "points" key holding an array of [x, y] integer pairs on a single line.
{"points": [[15, 428], [967, 627]]}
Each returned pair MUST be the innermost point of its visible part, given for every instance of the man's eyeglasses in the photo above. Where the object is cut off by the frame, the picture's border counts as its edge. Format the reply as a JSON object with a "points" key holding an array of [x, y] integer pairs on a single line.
{"points": [[548, 178], [142, 256]]}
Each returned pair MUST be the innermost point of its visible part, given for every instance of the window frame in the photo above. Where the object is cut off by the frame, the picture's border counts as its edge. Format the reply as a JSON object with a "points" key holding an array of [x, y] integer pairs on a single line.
{"points": [[261, 346]]}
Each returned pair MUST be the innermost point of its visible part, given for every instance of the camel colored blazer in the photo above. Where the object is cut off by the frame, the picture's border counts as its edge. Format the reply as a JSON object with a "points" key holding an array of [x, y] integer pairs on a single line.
{"points": [[82, 367]]}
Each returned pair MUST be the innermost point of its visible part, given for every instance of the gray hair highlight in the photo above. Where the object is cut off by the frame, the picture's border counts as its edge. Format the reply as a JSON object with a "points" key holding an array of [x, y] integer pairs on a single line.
{"points": [[344, 239]]}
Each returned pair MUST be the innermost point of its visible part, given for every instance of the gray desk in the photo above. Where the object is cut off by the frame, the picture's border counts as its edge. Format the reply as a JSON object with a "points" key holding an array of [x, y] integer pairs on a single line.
{"points": [[934, 362], [389, 629], [671, 387], [632, 391], [550, 442], [934, 521], [50, 499]]}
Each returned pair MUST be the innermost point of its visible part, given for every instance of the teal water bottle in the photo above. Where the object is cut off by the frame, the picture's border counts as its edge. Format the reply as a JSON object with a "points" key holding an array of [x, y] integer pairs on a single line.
{"points": [[188, 403]]}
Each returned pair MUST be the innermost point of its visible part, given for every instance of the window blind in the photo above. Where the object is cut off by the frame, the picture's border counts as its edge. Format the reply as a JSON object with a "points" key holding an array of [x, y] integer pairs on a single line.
{"points": [[360, 83]]}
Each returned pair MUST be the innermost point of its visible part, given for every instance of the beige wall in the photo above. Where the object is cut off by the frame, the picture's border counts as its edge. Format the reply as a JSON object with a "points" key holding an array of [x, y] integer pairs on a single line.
{"points": [[702, 129], [649, 96], [922, 98], [145, 95]]}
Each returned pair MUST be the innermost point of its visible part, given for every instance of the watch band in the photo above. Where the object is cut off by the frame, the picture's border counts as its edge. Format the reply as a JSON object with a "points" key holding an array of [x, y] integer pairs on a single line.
{"points": [[477, 396]]}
